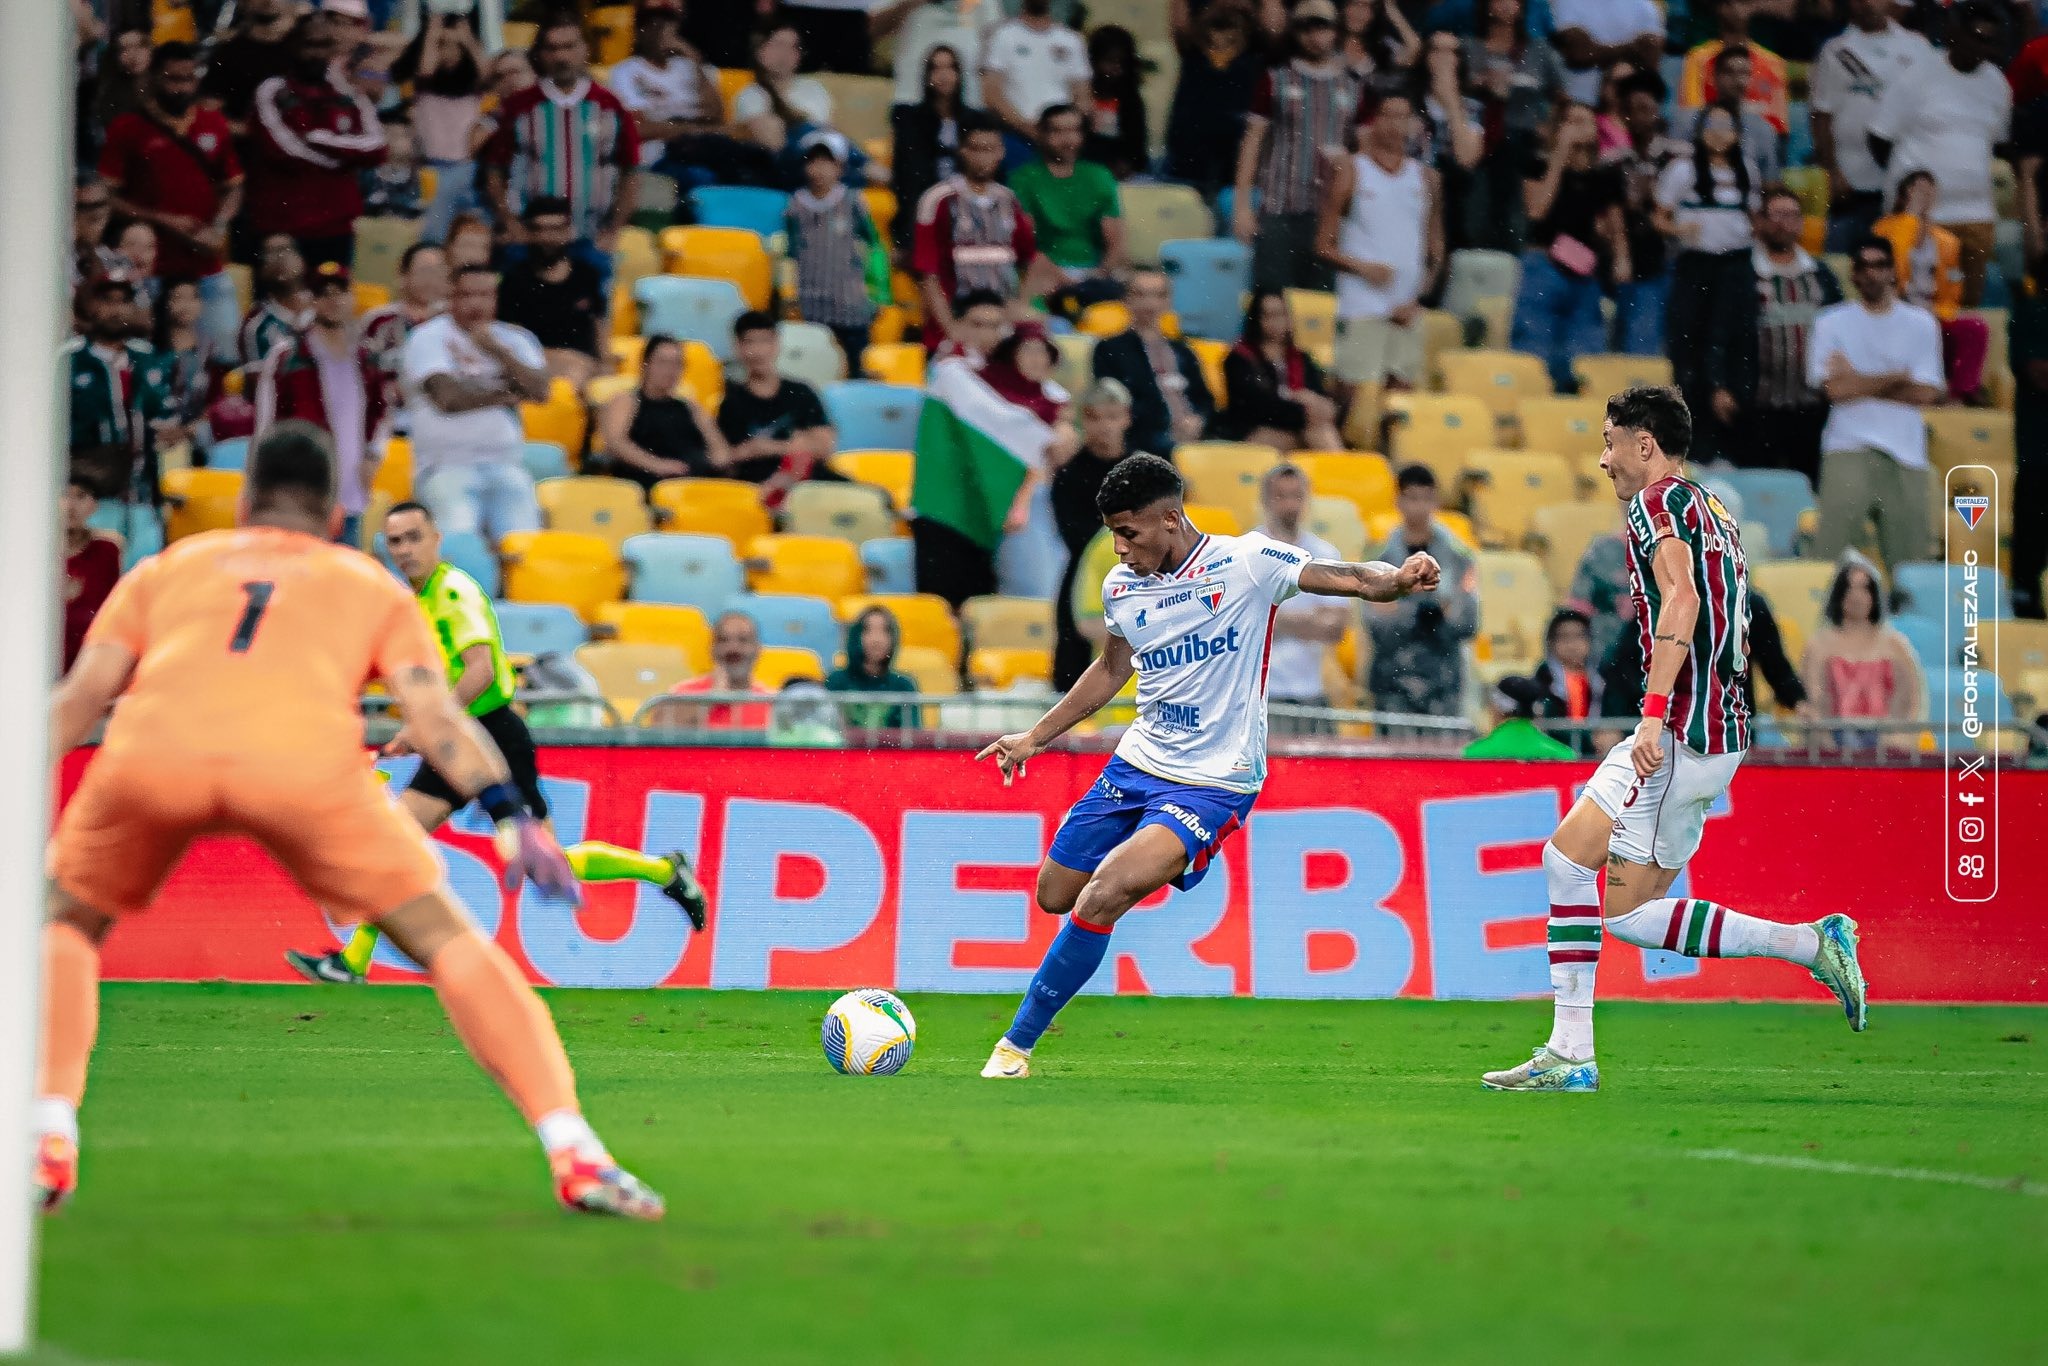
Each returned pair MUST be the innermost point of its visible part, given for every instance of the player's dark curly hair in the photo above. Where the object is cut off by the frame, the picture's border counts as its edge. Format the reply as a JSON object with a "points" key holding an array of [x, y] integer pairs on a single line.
{"points": [[1137, 482], [1658, 410]]}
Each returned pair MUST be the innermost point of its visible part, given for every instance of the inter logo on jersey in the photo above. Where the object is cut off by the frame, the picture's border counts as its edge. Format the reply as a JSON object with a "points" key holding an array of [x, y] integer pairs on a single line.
{"points": [[1211, 598], [1971, 509]]}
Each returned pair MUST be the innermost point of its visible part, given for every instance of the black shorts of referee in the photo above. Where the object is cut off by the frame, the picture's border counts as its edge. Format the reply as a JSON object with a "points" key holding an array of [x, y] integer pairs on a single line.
{"points": [[508, 731]]}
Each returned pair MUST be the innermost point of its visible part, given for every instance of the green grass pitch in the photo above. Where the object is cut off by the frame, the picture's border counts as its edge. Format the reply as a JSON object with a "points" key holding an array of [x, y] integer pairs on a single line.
{"points": [[299, 1175]]}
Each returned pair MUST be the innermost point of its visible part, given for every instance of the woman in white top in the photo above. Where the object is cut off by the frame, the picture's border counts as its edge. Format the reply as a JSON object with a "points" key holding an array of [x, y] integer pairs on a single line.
{"points": [[774, 109], [1703, 205]]}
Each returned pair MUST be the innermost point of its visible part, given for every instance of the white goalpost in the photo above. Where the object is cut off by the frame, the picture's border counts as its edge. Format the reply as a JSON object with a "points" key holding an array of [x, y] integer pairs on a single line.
{"points": [[36, 65]]}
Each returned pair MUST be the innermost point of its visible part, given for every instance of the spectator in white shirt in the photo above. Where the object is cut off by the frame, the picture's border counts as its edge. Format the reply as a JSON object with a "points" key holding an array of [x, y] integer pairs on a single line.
{"points": [[673, 95], [920, 26], [1030, 64], [1592, 35], [1878, 359], [780, 105], [1307, 627], [1848, 81], [465, 375], [1704, 203], [1947, 119]]}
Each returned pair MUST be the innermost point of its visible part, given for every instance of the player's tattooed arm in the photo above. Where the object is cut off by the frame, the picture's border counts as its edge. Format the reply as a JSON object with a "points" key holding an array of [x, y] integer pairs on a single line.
{"points": [[444, 734], [1374, 582]]}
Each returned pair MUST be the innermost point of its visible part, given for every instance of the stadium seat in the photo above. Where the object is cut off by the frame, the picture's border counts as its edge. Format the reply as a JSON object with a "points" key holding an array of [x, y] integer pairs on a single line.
{"points": [[893, 472], [1603, 375], [891, 564], [1797, 589], [696, 309], [924, 619], [1512, 485], [613, 509], [655, 208], [565, 567], [1776, 498], [199, 500], [1105, 319], [882, 208], [1476, 274], [1314, 312], [779, 664], [1572, 428], [810, 354], [1924, 586], [692, 571], [1210, 353], [232, 454], [611, 33], [1226, 474], [1499, 379], [860, 104], [852, 512], [380, 242], [561, 418], [822, 565], [1159, 213], [999, 667], [1209, 277], [734, 254], [1971, 436], [894, 363], [871, 416], [629, 674], [1560, 532], [661, 623], [394, 471], [1075, 371], [470, 553], [1215, 519], [1381, 526], [1515, 604], [369, 296], [740, 206], [1949, 694], [1008, 623], [798, 619], [1928, 637], [1337, 520], [545, 460], [1366, 480], [930, 668], [534, 629], [1440, 431], [712, 507], [638, 256], [2022, 650], [1441, 332]]}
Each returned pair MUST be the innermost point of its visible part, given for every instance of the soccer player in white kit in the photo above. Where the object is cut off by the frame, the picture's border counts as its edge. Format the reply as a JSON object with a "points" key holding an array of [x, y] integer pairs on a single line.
{"points": [[1646, 808], [1192, 615]]}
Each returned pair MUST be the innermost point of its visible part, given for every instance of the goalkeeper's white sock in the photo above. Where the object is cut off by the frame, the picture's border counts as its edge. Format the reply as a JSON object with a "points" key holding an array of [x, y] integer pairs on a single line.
{"points": [[1574, 935], [1702, 929]]}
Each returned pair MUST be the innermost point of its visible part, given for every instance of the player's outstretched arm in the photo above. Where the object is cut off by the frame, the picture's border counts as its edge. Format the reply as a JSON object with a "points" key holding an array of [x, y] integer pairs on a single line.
{"points": [[98, 676], [1375, 582], [1091, 692]]}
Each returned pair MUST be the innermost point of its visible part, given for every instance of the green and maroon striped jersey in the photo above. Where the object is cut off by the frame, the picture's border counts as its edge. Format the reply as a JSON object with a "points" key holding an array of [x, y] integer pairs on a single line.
{"points": [[1708, 710]]}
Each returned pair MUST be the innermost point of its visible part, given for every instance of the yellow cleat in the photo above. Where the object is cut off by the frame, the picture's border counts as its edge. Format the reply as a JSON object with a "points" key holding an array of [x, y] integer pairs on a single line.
{"points": [[1007, 1061]]}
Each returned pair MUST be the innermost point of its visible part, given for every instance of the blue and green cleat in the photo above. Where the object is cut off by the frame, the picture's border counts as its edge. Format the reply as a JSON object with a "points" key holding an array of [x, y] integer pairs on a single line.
{"points": [[1546, 1071], [1836, 968]]}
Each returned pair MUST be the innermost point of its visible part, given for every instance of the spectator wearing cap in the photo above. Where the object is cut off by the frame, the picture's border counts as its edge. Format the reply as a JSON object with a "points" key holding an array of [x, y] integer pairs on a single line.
{"points": [[554, 294], [1382, 227], [841, 263], [328, 377], [1076, 213], [312, 133], [1300, 114], [283, 302], [1305, 628], [124, 407], [1030, 64]]}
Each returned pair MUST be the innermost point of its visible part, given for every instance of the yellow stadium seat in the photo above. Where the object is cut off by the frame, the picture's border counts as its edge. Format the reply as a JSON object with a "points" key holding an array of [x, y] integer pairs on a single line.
{"points": [[628, 352], [1075, 371], [1156, 214], [521, 34], [2022, 652], [1970, 436], [660, 623], [713, 507], [1798, 592], [895, 363], [1496, 315], [1366, 480], [923, 618], [822, 566], [394, 471], [637, 256], [611, 509], [603, 390], [932, 669], [611, 33], [882, 207], [199, 500], [1315, 323], [999, 668], [852, 512], [731, 81], [1498, 379], [890, 324], [1211, 353], [1108, 319], [629, 674], [1215, 519], [1606, 374], [1337, 521], [1511, 486], [893, 472], [369, 296], [1515, 603], [860, 104], [1560, 532], [1572, 428], [1226, 474], [625, 312], [1440, 431], [1441, 332], [778, 664], [1381, 526], [380, 242], [578, 571], [734, 254], [562, 419], [1007, 623]]}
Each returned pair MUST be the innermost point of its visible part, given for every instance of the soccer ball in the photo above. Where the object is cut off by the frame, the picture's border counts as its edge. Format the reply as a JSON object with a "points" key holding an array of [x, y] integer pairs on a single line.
{"points": [[868, 1033]]}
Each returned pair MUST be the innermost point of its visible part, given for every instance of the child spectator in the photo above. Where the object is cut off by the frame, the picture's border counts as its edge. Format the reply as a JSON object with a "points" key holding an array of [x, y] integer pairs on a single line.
{"points": [[840, 260], [392, 189]]}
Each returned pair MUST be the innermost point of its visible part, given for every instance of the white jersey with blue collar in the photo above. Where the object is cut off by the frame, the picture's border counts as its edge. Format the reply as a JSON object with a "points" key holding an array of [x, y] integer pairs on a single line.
{"points": [[1201, 635]]}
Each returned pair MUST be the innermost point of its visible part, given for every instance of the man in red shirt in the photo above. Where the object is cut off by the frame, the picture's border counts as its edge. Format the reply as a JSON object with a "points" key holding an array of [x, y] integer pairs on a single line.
{"points": [[735, 648], [310, 133], [172, 164], [92, 562], [972, 235]]}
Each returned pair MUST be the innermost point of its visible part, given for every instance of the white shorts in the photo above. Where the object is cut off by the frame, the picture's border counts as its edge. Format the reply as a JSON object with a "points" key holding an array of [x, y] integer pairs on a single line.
{"points": [[1662, 818]]}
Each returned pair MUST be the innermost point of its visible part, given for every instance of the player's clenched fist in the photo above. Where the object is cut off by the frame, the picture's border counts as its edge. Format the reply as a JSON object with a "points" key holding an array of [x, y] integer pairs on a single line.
{"points": [[1011, 752], [1419, 573]]}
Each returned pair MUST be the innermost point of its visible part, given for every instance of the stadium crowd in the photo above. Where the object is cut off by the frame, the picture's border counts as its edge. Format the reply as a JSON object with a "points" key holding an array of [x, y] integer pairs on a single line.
{"points": [[656, 307]]}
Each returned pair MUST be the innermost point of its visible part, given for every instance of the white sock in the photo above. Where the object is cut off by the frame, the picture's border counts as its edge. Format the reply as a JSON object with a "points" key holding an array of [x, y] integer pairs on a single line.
{"points": [[1574, 939], [566, 1129], [55, 1115], [1702, 929]]}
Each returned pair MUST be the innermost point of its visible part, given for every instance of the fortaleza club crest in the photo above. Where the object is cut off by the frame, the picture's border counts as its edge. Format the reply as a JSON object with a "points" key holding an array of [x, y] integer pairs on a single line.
{"points": [[1211, 598], [1971, 509]]}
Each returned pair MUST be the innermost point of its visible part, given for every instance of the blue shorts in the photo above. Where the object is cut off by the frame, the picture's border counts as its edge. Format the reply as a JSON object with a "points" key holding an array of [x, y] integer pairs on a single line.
{"points": [[1125, 799]]}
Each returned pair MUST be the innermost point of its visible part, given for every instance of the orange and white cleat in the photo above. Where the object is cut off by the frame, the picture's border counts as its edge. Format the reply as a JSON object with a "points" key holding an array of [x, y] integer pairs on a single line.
{"points": [[56, 1171], [600, 1186]]}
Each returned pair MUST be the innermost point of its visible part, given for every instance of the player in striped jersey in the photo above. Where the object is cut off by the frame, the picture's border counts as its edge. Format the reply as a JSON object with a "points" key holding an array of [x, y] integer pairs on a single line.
{"points": [[1646, 808]]}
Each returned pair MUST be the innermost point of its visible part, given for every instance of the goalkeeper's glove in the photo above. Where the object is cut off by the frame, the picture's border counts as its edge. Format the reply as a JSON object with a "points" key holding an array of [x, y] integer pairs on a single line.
{"points": [[527, 849]]}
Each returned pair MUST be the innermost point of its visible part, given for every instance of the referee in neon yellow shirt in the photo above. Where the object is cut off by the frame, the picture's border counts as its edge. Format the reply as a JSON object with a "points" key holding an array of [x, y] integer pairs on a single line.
{"points": [[480, 676]]}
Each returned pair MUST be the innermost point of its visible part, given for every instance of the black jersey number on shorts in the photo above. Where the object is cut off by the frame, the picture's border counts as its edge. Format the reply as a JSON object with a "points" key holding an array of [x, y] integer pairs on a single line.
{"points": [[258, 593]]}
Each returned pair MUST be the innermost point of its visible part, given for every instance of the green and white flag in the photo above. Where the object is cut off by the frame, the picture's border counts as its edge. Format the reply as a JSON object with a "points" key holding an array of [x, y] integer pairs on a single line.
{"points": [[975, 449]]}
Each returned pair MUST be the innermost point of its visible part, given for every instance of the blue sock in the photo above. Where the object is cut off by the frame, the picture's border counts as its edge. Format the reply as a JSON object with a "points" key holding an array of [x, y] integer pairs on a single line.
{"points": [[1068, 965]]}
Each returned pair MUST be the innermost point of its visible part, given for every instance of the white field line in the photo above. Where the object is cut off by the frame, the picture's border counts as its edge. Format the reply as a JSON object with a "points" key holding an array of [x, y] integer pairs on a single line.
{"points": [[2013, 1185]]}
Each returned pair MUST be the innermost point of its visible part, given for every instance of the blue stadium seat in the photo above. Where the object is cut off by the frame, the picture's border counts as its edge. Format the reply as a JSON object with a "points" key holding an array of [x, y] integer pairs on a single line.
{"points": [[874, 417], [1209, 276], [231, 454], [739, 206], [1775, 498], [695, 571], [141, 529], [1926, 636], [539, 628], [794, 619], [690, 308], [471, 554], [1799, 141], [545, 460], [891, 563], [1925, 585], [1946, 688]]}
